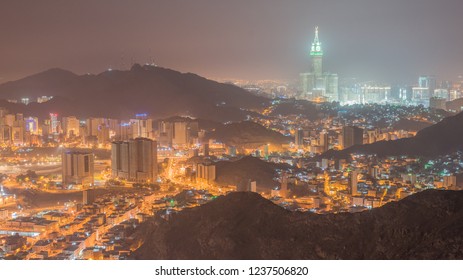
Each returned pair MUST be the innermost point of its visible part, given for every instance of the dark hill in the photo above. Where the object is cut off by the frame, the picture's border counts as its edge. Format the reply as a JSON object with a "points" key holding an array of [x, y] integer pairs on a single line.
{"points": [[240, 172], [441, 138], [428, 225], [120, 94], [247, 133]]}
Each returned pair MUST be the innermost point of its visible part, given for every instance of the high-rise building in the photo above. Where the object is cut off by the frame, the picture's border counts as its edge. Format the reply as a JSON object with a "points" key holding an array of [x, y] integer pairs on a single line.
{"points": [[142, 126], [299, 138], [442, 94], [88, 196], [317, 85], [351, 135], [284, 185], [103, 134], [93, 124], [205, 172], [206, 149], [428, 82], [134, 160], [353, 182], [180, 134], [253, 186], [450, 182], [424, 90], [324, 141], [17, 135], [54, 124], [32, 125], [5, 134], [77, 168], [71, 126]]}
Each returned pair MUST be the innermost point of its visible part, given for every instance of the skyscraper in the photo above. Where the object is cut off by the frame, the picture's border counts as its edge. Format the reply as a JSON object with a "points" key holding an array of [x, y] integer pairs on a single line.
{"points": [[424, 90], [284, 185], [316, 53], [353, 181], [299, 138], [142, 126], [352, 135], [205, 172], [134, 160], [77, 168], [54, 124], [88, 196], [71, 126], [180, 134], [324, 141], [317, 85], [32, 125]]}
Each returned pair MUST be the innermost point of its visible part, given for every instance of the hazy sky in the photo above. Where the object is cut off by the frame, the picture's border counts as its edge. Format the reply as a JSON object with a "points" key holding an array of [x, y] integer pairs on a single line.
{"points": [[390, 40]]}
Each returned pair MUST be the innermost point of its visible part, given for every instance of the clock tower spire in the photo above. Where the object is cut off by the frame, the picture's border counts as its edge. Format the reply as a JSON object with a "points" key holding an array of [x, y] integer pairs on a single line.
{"points": [[316, 53], [316, 45]]}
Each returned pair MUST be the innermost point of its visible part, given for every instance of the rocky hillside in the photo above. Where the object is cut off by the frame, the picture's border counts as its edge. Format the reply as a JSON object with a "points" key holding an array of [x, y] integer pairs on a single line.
{"points": [[428, 225], [241, 171], [249, 134], [121, 94], [441, 138]]}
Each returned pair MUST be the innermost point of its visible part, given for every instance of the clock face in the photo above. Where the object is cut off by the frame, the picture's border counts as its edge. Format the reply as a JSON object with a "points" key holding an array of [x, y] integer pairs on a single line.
{"points": [[313, 48], [318, 48]]}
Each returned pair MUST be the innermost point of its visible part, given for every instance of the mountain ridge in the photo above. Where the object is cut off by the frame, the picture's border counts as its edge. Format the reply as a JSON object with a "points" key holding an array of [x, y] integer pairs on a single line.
{"points": [[123, 93], [243, 225]]}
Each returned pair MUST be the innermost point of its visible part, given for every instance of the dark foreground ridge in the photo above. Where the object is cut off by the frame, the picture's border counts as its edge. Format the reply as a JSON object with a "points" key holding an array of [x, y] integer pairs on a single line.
{"points": [[243, 225]]}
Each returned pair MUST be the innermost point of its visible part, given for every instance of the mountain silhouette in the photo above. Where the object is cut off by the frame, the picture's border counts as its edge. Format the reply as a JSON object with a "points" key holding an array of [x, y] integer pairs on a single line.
{"points": [[148, 89], [244, 225]]}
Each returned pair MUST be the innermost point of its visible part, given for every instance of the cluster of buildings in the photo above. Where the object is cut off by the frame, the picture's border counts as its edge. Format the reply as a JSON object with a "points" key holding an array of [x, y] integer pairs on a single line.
{"points": [[343, 137], [175, 154], [98, 228], [320, 86], [427, 92], [18, 130]]}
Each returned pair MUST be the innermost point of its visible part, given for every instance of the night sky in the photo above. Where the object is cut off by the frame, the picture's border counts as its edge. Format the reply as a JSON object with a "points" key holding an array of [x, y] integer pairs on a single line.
{"points": [[392, 41]]}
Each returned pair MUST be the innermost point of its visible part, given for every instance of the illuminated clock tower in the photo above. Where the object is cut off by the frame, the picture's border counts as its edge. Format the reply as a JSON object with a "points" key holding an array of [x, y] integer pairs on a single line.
{"points": [[317, 85], [316, 53]]}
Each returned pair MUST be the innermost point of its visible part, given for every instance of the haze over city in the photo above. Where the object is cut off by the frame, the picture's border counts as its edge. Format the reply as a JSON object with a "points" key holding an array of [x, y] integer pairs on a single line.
{"points": [[239, 130], [391, 41]]}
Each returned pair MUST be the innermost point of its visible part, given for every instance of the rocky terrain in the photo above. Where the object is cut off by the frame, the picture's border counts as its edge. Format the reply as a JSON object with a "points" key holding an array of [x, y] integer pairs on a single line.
{"points": [[243, 225], [241, 171], [121, 94], [249, 134]]}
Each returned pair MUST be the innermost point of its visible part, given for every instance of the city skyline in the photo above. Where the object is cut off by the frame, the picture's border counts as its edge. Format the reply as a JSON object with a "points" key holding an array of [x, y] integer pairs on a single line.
{"points": [[393, 42], [124, 141]]}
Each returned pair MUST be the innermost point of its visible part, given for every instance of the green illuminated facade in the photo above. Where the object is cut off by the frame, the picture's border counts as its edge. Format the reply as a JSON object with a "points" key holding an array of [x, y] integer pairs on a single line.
{"points": [[317, 85]]}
